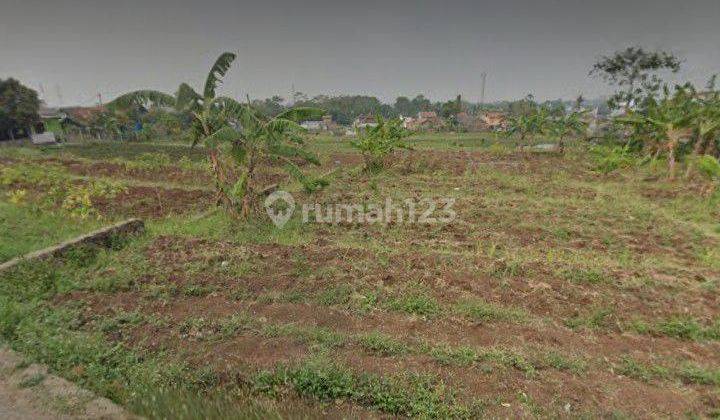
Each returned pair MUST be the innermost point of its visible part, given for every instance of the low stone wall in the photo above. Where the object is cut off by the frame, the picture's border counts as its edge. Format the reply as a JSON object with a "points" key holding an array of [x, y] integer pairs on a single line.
{"points": [[101, 237]]}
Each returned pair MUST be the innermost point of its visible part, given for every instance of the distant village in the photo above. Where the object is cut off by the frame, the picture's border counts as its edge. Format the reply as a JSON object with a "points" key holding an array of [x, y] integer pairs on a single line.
{"points": [[99, 121]]}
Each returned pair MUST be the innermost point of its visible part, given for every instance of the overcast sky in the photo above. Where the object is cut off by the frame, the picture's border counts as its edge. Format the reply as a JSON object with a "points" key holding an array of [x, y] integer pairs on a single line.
{"points": [[383, 48]]}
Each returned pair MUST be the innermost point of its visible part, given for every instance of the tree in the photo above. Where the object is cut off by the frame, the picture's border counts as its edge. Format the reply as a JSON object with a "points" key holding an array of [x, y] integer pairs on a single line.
{"points": [[252, 139], [525, 106], [404, 107], [203, 108], [635, 72], [565, 125], [666, 122], [19, 107], [376, 143], [235, 135]]}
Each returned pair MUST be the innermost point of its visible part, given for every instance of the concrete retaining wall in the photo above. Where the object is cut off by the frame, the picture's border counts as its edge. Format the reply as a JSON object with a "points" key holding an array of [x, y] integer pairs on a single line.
{"points": [[101, 237]]}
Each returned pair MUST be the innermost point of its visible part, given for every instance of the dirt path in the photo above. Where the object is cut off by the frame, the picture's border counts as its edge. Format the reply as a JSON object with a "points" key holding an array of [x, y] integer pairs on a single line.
{"points": [[29, 392]]}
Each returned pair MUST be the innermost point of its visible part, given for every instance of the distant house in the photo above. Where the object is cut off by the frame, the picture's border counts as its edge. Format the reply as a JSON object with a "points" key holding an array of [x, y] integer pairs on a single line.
{"points": [[425, 121], [312, 125], [470, 122], [494, 120], [325, 124], [80, 115], [364, 121]]}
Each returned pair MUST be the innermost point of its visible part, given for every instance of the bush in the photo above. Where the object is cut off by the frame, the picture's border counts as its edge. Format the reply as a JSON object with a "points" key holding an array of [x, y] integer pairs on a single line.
{"points": [[610, 159], [376, 143], [709, 166]]}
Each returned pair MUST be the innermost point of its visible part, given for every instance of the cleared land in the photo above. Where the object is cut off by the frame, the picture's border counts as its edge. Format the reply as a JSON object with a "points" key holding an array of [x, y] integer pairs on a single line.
{"points": [[557, 291]]}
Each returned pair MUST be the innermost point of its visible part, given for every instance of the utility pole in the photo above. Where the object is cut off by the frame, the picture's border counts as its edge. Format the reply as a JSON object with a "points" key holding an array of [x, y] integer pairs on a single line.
{"points": [[483, 76]]}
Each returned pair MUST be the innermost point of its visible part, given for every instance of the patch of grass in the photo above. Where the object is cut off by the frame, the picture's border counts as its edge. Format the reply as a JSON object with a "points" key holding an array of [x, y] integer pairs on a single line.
{"points": [[416, 304], [313, 335], [405, 395], [197, 290], [509, 359], [336, 295], [680, 327], [481, 311], [700, 375], [32, 380], [184, 405], [120, 319], [561, 362], [596, 319], [232, 325], [381, 344], [454, 356], [580, 276], [633, 369]]}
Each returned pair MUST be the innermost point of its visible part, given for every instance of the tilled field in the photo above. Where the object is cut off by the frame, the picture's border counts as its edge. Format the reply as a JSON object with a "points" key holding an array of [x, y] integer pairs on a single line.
{"points": [[557, 291]]}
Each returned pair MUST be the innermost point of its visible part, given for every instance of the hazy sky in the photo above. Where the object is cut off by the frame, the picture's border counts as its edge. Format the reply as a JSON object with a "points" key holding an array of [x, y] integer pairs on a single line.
{"points": [[383, 48]]}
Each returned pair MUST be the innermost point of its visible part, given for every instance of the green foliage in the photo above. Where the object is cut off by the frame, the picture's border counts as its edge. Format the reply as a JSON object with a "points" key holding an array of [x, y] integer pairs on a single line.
{"points": [[481, 311], [595, 319], [76, 198], [382, 344], [454, 356], [377, 143], [633, 369], [416, 304], [237, 137], [610, 159], [681, 327], [635, 71], [699, 375], [408, 395], [19, 106], [709, 167]]}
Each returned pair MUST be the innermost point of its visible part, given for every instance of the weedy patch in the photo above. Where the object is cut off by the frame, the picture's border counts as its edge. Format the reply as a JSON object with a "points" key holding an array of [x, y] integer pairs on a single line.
{"points": [[415, 303], [406, 395], [481, 311], [596, 319], [681, 327], [381, 344]]}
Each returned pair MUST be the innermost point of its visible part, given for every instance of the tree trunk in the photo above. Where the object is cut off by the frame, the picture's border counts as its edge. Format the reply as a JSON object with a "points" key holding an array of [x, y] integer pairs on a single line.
{"points": [[671, 160], [711, 149]]}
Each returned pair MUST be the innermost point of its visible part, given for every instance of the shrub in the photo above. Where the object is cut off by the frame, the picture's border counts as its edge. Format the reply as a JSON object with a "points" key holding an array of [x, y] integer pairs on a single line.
{"points": [[610, 159], [709, 166]]}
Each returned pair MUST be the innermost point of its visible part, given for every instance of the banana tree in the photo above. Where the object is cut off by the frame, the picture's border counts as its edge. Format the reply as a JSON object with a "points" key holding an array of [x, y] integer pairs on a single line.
{"points": [[203, 108], [535, 122], [251, 139], [522, 125], [563, 126], [234, 134], [670, 122], [706, 124]]}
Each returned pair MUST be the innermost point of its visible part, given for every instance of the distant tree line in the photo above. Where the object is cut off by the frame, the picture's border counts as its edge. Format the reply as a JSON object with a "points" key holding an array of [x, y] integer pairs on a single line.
{"points": [[344, 109]]}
